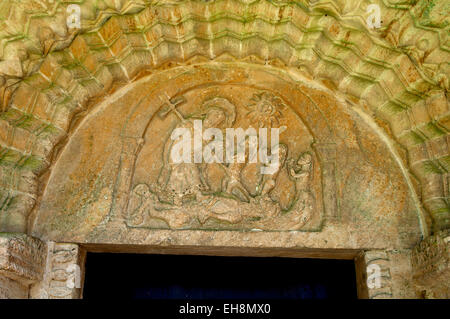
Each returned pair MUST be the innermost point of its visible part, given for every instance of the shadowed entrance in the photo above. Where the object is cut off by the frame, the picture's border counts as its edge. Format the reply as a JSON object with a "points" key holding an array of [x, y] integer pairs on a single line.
{"points": [[128, 276]]}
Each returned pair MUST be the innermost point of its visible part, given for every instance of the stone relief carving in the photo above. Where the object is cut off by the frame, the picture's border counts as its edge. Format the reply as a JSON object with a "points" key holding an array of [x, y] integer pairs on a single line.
{"points": [[233, 195], [22, 257], [375, 280], [430, 262]]}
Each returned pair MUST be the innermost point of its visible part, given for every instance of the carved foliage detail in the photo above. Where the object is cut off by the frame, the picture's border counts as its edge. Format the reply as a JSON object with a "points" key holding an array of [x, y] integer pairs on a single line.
{"points": [[22, 258]]}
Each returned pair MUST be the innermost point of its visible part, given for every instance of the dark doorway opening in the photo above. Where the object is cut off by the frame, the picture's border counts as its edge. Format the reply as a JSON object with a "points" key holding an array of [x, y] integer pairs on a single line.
{"points": [[132, 276]]}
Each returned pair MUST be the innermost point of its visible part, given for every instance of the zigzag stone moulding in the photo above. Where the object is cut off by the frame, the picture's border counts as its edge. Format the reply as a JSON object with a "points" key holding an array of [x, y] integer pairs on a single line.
{"points": [[375, 271], [132, 192]]}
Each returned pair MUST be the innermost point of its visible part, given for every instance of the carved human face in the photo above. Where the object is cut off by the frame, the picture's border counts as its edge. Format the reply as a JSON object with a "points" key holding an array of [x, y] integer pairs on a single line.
{"points": [[214, 118]]}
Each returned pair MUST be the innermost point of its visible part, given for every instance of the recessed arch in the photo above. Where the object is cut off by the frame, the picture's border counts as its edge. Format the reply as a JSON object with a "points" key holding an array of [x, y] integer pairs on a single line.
{"points": [[314, 39]]}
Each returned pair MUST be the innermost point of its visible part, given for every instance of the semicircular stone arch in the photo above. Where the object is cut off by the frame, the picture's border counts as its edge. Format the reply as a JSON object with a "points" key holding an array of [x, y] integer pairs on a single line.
{"points": [[62, 76], [105, 185]]}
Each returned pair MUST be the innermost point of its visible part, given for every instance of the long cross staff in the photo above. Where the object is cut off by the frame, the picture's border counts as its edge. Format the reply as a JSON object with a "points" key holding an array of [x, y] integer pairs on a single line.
{"points": [[171, 106]]}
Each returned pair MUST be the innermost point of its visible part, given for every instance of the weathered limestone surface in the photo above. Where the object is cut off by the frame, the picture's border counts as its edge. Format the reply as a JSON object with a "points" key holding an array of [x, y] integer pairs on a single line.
{"points": [[385, 274], [12, 289], [398, 74], [430, 260]]}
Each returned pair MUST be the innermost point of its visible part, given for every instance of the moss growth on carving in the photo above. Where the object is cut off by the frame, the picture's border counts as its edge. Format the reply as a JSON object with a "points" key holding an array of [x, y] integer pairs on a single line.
{"points": [[415, 138], [435, 13], [445, 162], [49, 130], [433, 131], [426, 13], [430, 167], [24, 122]]}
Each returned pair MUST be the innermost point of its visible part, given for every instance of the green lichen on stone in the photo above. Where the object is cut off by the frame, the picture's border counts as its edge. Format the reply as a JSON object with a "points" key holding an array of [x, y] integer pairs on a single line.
{"points": [[429, 167]]}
